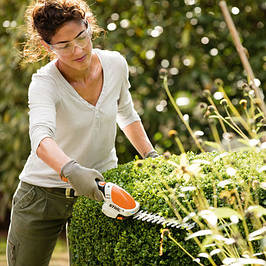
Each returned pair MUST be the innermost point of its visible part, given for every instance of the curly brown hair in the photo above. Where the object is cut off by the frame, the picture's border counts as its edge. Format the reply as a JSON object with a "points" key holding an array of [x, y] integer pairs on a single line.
{"points": [[44, 17]]}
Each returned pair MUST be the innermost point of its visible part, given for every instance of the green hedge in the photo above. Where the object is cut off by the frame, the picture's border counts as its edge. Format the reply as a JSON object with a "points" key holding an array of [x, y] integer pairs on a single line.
{"points": [[98, 240], [184, 24]]}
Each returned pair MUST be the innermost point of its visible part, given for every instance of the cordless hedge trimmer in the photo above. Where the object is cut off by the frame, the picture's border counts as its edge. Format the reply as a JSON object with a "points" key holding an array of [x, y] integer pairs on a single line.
{"points": [[119, 204]]}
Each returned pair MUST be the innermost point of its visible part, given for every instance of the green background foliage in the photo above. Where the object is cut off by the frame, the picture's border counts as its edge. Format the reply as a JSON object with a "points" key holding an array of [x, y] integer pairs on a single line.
{"points": [[172, 32], [96, 239]]}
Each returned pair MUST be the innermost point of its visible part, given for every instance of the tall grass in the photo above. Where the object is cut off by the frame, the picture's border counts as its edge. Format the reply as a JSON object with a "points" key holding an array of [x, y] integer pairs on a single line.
{"points": [[233, 234]]}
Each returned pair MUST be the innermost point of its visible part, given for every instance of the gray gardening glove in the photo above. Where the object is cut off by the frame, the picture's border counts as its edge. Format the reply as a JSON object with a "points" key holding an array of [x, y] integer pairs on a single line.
{"points": [[83, 180], [152, 154]]}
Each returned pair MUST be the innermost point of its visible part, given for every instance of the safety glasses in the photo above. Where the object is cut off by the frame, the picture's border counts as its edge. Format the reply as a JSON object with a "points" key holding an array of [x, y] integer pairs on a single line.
{"points": [[67, 48]]}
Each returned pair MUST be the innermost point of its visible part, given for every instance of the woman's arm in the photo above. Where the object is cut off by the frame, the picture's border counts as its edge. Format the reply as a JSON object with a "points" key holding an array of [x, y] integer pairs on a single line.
{"points": [[52, 155], [82, 179], [136, 134]]}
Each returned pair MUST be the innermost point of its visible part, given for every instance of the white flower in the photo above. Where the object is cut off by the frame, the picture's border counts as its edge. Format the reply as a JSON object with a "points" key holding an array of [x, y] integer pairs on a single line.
{"points": [[209, 216], [263, 146], [263, 185], [172, 163], [253, 142], [194, 169], [199, 161], [224, 183], [231, 171], [263, 168], [257, 210], [191, 188], [217, 158], [234, 219]]}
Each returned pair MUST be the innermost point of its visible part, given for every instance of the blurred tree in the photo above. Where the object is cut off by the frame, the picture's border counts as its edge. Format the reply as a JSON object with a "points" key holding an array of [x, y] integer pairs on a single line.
{"points": [[191, 40], [188, 38]]}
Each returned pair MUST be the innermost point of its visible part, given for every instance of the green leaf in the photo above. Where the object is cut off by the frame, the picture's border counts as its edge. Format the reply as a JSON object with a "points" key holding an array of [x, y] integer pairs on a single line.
{"points": [[257, 210], [225, 212], [212, 144]]}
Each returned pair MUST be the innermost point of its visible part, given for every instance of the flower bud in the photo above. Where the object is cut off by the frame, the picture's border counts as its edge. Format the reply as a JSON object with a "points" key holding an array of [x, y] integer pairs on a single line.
{"points": [[172, 133], [163, 73], [252, 93], [211, 108], [167, 155], [244, 103], [203, 107], [224, 102], [228, 136], [245, 87], [218, 82], [255, 184], [206, 93]]}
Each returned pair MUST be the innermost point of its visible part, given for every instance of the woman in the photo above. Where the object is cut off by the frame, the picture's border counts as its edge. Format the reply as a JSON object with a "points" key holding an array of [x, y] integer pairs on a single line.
{"points": [[75, 102]]}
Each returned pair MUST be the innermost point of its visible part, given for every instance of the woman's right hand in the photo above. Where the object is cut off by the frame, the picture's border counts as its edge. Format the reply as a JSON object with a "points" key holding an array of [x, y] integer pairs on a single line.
{"points": [[83, 180]]}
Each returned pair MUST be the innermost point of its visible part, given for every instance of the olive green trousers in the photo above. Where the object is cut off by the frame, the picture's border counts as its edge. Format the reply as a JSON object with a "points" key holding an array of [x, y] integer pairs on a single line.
{"points": [[38, 216]]}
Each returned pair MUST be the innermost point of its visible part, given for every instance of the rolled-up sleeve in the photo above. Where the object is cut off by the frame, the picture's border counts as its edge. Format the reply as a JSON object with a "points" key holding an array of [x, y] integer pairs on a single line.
{"points": [[126, 112], [42, 99]]}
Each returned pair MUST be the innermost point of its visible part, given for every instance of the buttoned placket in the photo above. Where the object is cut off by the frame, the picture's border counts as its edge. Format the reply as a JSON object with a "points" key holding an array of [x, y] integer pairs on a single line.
{"points": [[97, 117]]}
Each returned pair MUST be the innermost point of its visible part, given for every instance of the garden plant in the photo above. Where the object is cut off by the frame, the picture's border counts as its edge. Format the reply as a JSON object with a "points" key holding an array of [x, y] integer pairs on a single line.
{"points": [[216, 191], [189, 38], [217, 197]]}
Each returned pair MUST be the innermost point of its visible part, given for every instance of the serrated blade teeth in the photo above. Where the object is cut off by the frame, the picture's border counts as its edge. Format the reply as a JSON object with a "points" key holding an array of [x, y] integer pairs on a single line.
{"points": [[147, 217], [150, 218], [160, 220], [140, 215], [189, 226], [172, 224], [156, 218]]}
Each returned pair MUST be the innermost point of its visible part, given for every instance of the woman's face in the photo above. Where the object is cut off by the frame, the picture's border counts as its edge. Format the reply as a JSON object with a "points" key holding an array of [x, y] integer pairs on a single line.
{"points": [[72, 45]]}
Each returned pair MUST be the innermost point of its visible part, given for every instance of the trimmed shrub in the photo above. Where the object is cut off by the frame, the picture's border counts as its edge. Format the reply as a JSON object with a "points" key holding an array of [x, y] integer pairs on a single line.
{"points": [[98, 240]]}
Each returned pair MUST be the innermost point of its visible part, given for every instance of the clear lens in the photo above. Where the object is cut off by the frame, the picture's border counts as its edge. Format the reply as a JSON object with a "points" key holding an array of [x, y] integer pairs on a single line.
{"points": [[67, 48]]}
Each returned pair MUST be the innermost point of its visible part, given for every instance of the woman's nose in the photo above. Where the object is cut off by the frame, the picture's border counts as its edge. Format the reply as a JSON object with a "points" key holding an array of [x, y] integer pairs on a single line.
{"points": [[77, 49]]}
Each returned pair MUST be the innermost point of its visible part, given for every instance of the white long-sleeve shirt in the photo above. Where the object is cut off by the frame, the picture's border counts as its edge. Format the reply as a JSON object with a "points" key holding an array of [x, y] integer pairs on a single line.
{"points": [[84, 132]]}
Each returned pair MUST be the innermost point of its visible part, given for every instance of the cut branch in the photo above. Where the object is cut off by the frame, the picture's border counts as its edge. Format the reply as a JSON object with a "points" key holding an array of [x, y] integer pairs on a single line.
{"points": [[241, 51]]}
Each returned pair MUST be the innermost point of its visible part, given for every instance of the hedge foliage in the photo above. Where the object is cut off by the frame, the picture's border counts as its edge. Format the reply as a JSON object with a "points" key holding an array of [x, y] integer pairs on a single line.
{"points": [[189, 38], [98, 240]]}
